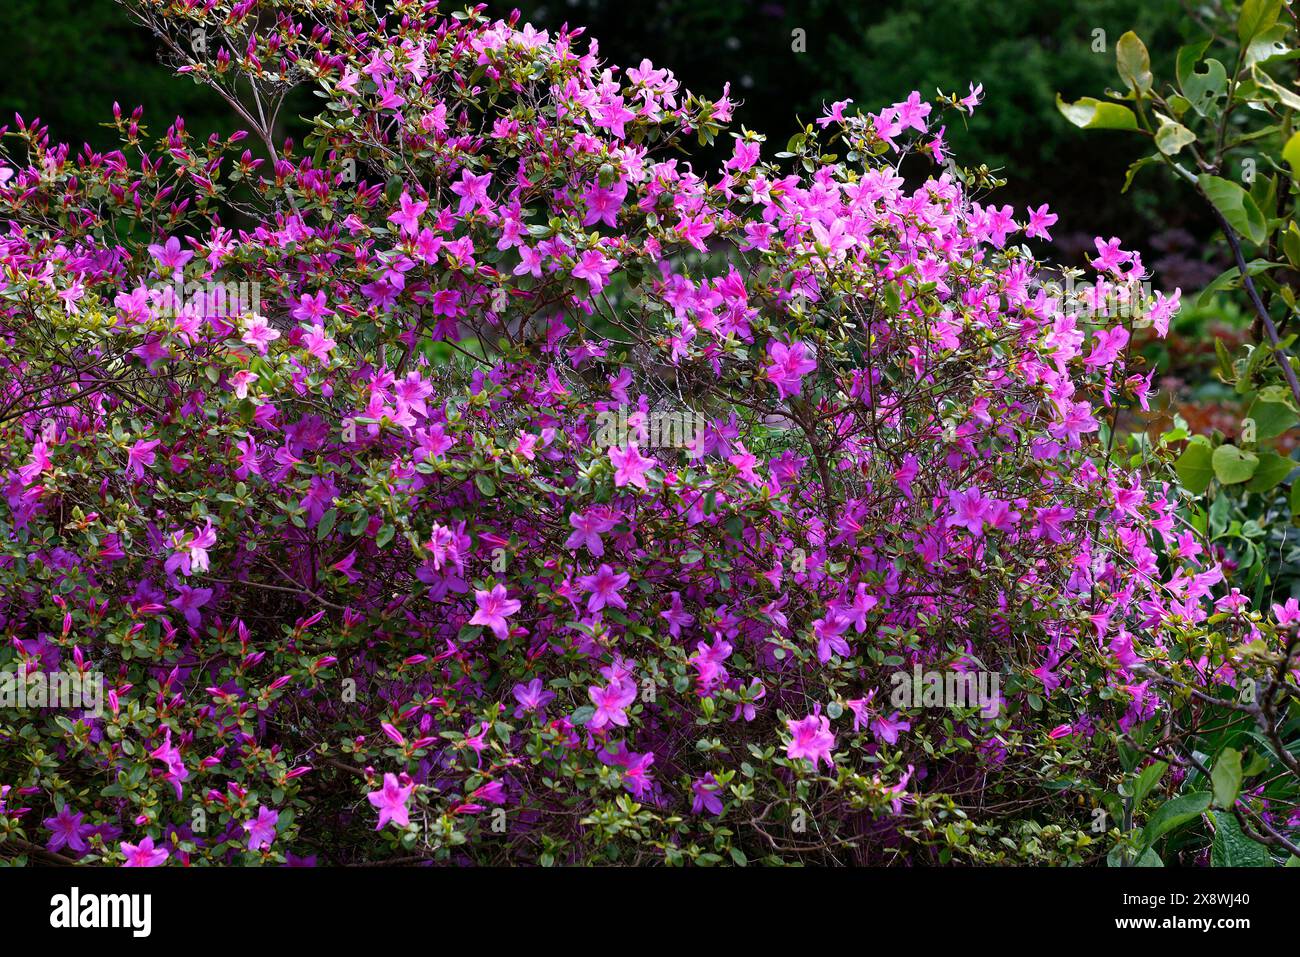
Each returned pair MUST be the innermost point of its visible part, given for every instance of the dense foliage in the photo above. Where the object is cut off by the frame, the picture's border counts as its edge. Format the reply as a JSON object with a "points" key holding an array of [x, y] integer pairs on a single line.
{"points": [[349, 472]]}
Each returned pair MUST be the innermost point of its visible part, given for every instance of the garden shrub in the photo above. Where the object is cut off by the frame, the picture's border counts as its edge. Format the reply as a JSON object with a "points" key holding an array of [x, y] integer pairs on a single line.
{"points": [[480, 482]]}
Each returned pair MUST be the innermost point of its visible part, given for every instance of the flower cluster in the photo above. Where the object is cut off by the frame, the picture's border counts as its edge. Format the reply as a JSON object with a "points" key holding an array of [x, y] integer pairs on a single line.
{"points": [[363, 583]]}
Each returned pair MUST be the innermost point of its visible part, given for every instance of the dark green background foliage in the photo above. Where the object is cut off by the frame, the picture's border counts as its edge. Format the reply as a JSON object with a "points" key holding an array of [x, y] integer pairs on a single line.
{"points": [[78, 56]]}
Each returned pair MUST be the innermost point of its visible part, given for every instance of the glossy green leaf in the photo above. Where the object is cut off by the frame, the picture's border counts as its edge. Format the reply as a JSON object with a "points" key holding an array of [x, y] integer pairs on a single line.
{"points": [[1226, 777], [1256, 16], [1285, 96], [1174, 813], [1233, 465], [1194, 466], [1271, 418], [1236, 206], [1272, 470], [1134, 63], [1202, 87], [1093, 114], [1291, 152], [1232, 848]]}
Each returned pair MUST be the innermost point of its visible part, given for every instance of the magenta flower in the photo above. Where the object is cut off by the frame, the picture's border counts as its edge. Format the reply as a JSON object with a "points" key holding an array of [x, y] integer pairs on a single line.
{"points": [[968, 510], [811, 738], [261, 830], [171, 756], [705, 796], [587, 531], [630, 466], [259, 334], [604, 588], [610, 702], [390, 800], [408, 213], [143, 854], [787, 365], [139, 456], [66, 830], [189, 601], [170, 256], [532, 697], [494, 607], [595, 268], [472, 190]]}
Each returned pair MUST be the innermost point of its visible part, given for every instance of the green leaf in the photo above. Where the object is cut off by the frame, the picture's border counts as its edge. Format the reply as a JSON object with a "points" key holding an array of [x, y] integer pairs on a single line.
{"points": [[485, 484], [1231, 279], [1226, 777], [1268, 45], [1273, 469], [1202, 88], [1137, 165], [1093, 114], [1235, 205], [1291, 152], [1149, 858], [1172, 136], [1194, 466], [1232, 848], [1148, 779], [1286, 97], [1174, 813], [1188, 57], [1295, 499], [326, 524], [1256, 16], [582, 715], [1134, 63], [1272, 418], [1233, 465], [1291, 237]]}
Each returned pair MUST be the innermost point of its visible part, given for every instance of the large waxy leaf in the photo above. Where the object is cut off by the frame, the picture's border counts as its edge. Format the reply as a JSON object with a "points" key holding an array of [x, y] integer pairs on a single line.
{"points": [[1233, 465], [1134, 63], [1194, 466], [1236, 206], [1093, 114]]}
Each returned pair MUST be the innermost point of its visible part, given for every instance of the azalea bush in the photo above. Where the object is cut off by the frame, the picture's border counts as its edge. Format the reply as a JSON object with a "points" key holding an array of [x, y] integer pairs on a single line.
{"points": [[344, 463]]}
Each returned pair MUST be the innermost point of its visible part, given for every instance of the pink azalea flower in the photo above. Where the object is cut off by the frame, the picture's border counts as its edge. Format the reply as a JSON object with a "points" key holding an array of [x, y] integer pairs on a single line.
{"points": [[587, 529], [139, 456], [408, 213], [968, 510], [143, 854], [259, 334], [494, 607], [811, 738], [604, 587], [787, 365], [390, 800], [532, 697], [595, 268], [261, 830], [610, 702], [630, 466], [170, 255]]}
